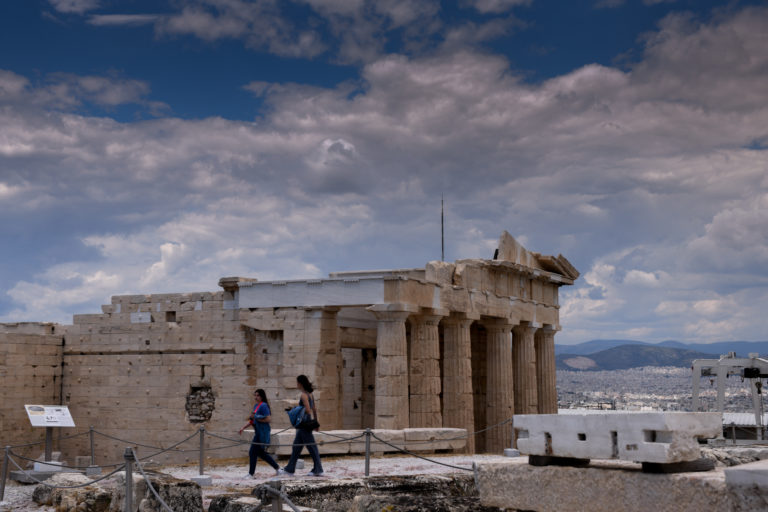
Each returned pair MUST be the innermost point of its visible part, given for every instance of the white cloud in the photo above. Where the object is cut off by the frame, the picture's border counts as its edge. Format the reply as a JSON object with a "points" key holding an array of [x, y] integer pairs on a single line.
{"points": [[74, 6]]}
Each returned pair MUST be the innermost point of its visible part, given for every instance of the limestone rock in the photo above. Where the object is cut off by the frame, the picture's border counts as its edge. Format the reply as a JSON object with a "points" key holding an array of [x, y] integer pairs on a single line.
{"points": [[605, 486], [92, 498], [109, 495]]}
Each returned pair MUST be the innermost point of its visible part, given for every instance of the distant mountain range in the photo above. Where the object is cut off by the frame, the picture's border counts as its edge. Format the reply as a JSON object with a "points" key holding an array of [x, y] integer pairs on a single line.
{"points": [[623, 354]]}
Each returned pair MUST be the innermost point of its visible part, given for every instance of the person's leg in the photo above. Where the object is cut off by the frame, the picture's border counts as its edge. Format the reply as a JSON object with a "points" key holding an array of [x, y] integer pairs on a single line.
{"points": [[315, 453], [262, 452], [297, 447], [252, 454]]}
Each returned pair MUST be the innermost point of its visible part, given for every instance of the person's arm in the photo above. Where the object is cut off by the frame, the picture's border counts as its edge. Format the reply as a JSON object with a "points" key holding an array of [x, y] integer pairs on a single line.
{"points": [[245, 426], [250, 422]]}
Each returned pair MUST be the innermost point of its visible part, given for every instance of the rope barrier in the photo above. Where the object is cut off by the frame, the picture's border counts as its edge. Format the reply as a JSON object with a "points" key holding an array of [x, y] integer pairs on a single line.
{"points": [[403, 450], [317, 443], [63, 438], [128, 442], [65, 486], [149, 483]]}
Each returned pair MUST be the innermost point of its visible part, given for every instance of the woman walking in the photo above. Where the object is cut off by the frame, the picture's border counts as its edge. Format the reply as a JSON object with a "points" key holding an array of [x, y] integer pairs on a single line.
{"points": [[260, 418], [304, 436]]}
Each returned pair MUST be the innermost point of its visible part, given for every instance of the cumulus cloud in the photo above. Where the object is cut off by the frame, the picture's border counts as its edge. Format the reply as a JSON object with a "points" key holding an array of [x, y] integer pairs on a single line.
{"points": [[646, 178], [74, 6]]}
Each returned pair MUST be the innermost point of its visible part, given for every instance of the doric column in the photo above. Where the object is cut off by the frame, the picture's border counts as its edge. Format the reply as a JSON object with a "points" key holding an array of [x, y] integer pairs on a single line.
{"points": [[545, 370], [320, 330], [500, 397], [391, 365], [424, 370], [524, 359], [458, 407]]}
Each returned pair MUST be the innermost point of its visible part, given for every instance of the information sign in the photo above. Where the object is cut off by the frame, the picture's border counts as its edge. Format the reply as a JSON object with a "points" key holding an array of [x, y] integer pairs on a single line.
{"points": [[49, 416]]}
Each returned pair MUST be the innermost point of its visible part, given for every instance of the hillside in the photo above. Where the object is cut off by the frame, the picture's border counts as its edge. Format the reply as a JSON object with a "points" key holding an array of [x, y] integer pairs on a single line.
{"points": [[629, 356], [742, 348]]}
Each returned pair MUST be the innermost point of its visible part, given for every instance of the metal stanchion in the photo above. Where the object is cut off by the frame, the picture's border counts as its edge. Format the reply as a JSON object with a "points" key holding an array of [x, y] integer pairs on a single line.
{"points": [[202, 450], [202, 478], [48, 443], [93, 451], [367, 451], [128, 456], [4, 475]]}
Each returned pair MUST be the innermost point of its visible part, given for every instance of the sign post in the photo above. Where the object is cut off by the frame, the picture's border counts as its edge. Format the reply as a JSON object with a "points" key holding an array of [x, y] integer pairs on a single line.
{"points": [[49, 416]]}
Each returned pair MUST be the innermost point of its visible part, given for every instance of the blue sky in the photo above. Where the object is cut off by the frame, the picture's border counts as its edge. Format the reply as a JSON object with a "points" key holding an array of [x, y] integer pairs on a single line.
{"points": [[151, 147]]}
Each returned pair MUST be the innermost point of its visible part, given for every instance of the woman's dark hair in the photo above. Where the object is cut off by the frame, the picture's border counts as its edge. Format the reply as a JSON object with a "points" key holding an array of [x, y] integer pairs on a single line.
{"points": [[304, 381], [263, 396]]}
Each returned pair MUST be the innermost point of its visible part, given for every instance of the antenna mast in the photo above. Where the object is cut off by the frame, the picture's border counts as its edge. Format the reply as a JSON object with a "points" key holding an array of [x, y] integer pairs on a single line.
{"points": [[442, 228]]}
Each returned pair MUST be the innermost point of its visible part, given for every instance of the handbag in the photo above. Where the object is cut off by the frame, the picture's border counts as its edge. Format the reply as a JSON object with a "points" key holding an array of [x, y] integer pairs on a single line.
{"points": [[309, 423]]}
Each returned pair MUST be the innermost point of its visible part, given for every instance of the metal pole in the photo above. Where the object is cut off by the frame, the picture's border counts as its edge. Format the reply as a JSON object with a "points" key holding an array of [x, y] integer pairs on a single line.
{"points": [[48, 443], [274, 498], [367, 452], [202, 450], [128, 456], [4, 476], [93, 451], [733, 433]]}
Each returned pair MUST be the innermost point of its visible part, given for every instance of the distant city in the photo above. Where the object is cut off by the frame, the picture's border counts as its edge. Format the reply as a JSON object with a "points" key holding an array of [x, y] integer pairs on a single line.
{"points": [[647, 388], [633, 375]]}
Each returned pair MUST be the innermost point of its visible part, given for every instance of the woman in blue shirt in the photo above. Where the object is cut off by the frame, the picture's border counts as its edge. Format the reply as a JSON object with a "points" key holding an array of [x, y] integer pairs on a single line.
{"points": [[260, 418]]}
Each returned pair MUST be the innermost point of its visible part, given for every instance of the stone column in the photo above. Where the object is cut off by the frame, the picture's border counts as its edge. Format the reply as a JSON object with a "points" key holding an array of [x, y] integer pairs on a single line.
{"points": [[323, 348], [424, 371], [500, 397], [545, 370], [391, 365], [458, 408], [524, 358]]}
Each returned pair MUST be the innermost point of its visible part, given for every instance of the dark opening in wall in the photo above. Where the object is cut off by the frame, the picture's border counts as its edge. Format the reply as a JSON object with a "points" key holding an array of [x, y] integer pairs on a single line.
{"points": [[201, 403], [170, 316]]}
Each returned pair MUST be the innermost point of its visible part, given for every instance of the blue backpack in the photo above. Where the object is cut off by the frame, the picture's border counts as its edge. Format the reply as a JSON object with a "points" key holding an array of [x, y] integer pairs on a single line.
{"points": [[296, 415]]}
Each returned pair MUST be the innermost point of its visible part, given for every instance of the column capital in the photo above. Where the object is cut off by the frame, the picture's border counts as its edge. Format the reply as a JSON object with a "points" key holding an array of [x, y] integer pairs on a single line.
{"points": [[460, 317], [546, 332], [526, 328], [496, 323], [393, 312]]}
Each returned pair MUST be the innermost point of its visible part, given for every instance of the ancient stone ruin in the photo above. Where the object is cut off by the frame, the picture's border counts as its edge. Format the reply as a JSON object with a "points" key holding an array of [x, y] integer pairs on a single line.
{"points": [[457, 345]]}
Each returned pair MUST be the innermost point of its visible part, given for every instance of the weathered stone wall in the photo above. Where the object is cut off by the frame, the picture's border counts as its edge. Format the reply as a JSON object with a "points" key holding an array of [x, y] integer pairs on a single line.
{"points": [[30, 373], [132, 371]]}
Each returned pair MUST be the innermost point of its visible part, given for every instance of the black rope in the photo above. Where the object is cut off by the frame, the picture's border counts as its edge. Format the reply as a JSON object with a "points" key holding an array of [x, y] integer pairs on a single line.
{"points": [[403, 450]]}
